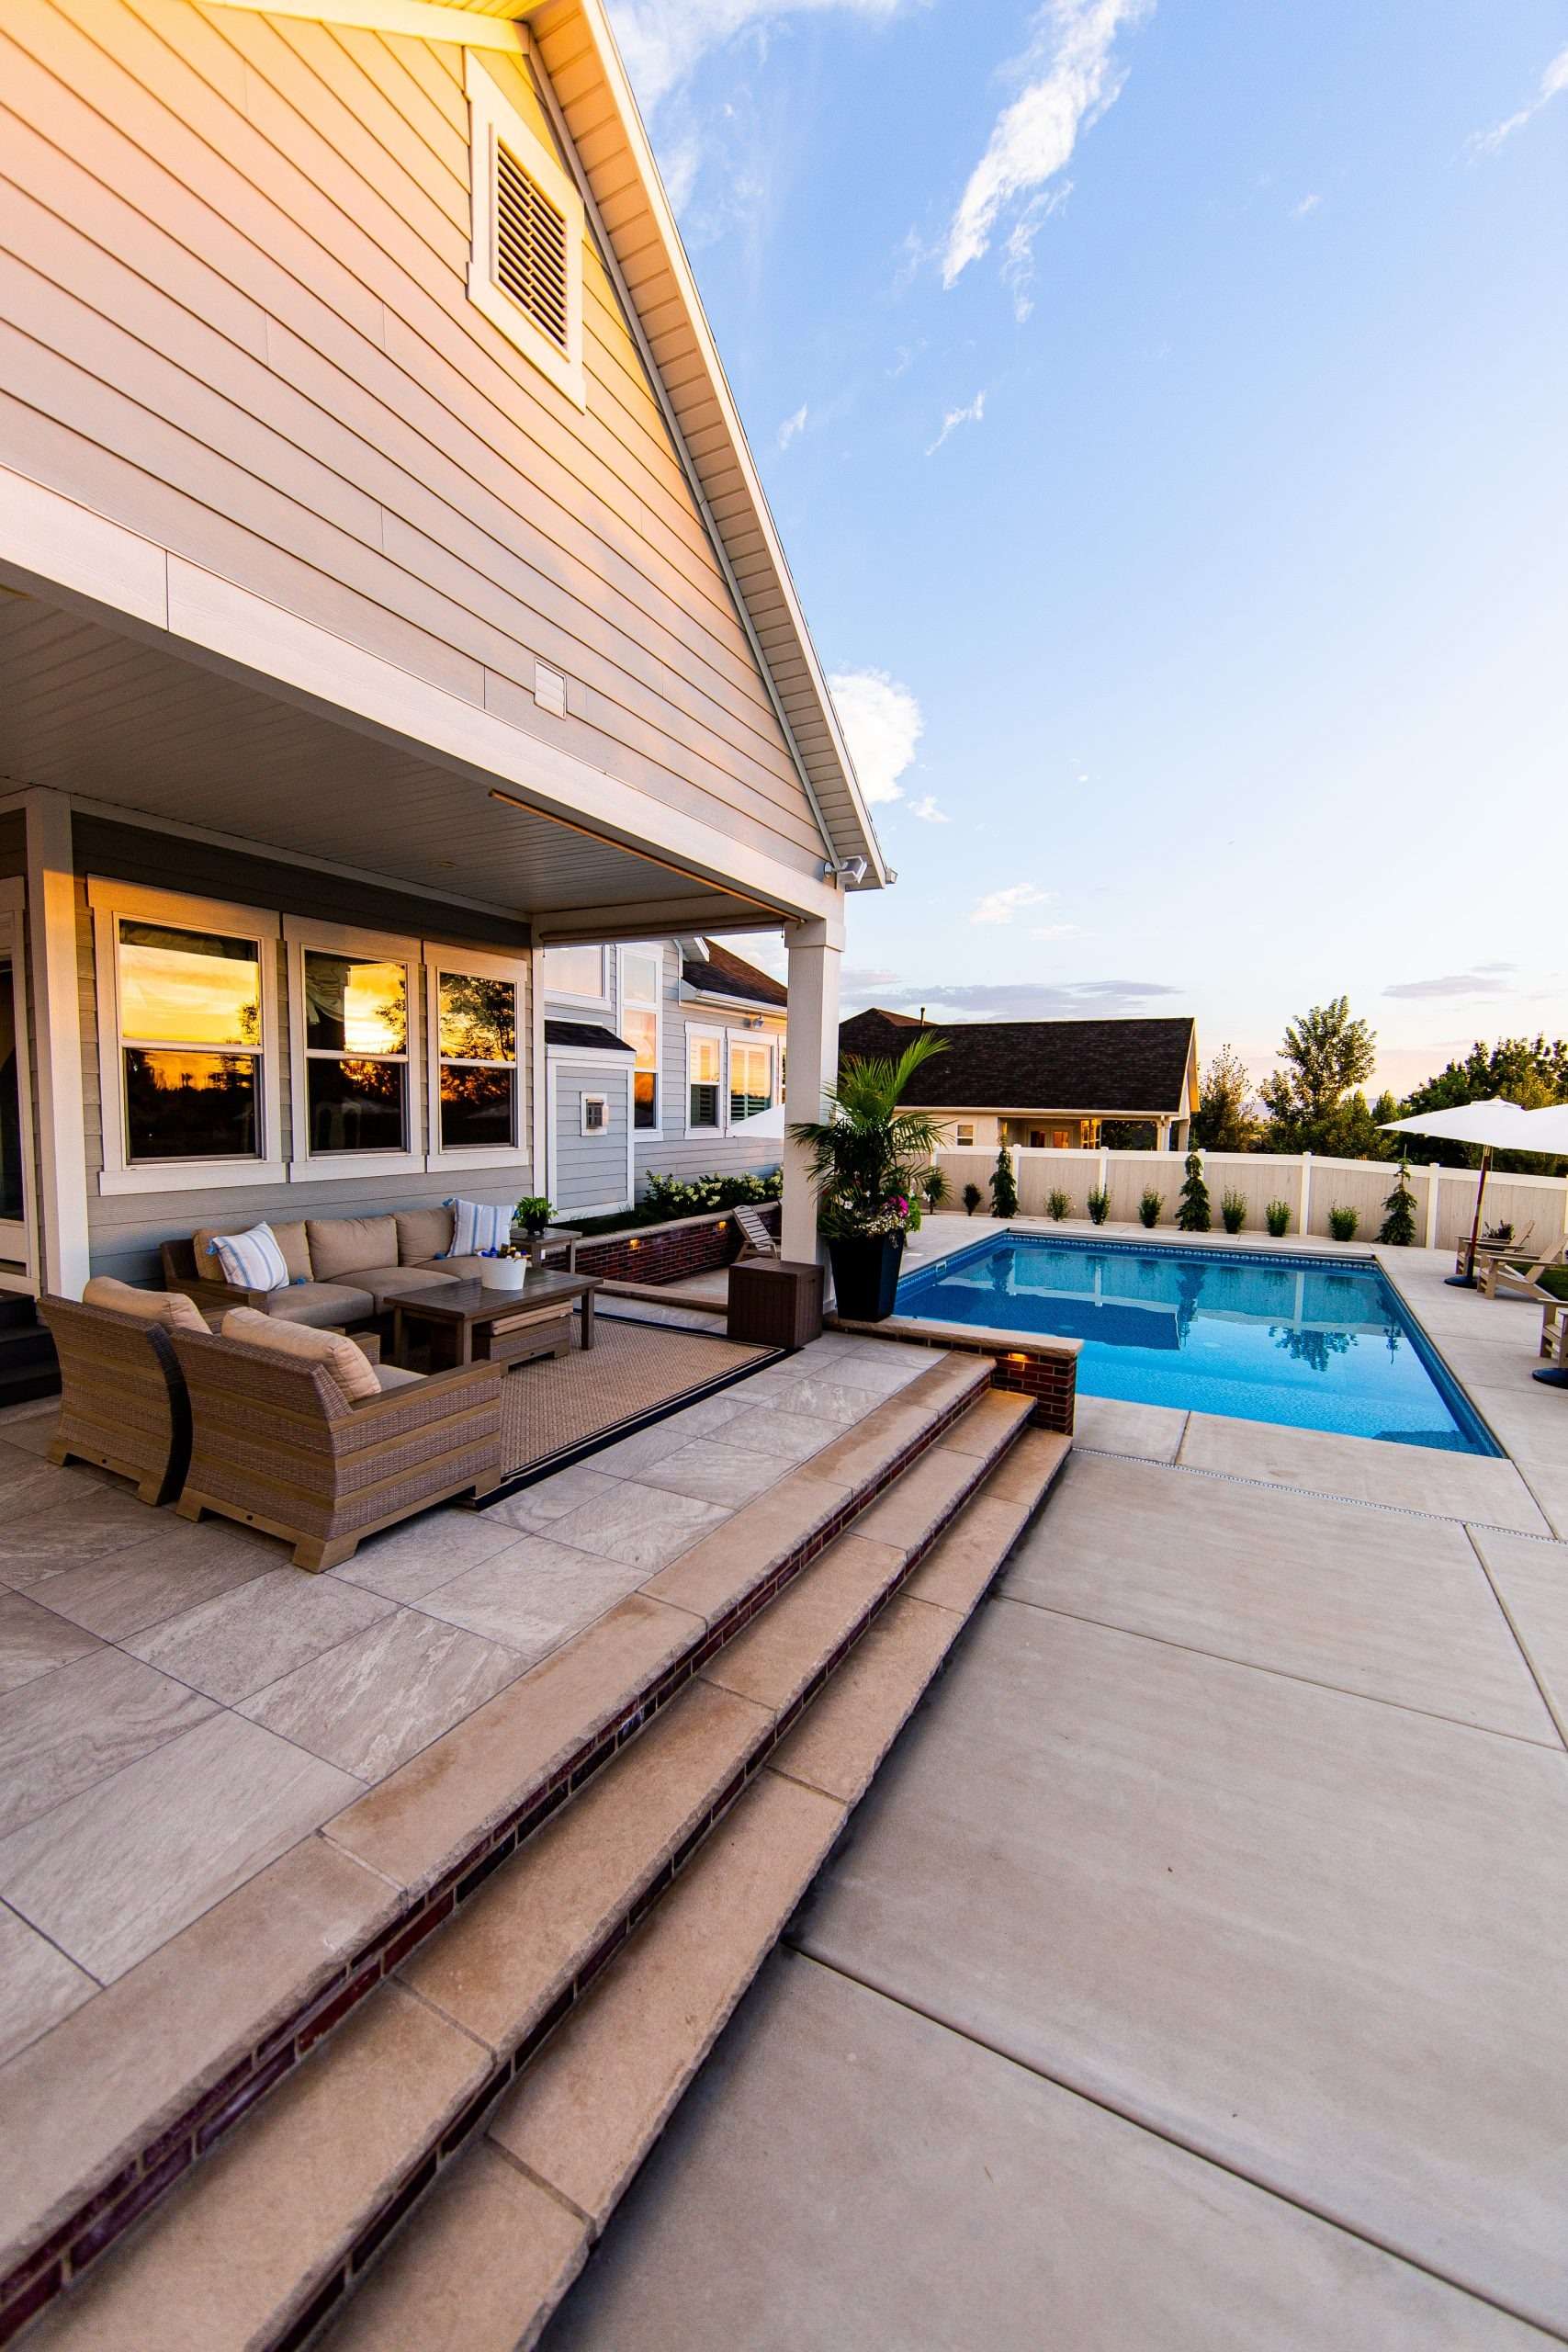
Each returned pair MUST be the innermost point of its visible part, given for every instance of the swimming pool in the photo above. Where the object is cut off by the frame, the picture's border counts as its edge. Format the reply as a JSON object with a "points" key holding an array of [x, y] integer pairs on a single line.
{"points": [[1313, 1344]]}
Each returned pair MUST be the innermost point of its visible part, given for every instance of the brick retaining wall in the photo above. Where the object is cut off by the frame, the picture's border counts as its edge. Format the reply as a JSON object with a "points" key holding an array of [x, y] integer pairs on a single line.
{"points": [[664, 1253]]}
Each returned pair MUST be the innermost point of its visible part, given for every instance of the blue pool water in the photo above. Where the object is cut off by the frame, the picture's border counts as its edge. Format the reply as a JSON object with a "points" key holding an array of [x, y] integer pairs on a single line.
{"points": [[1316, 1345]]}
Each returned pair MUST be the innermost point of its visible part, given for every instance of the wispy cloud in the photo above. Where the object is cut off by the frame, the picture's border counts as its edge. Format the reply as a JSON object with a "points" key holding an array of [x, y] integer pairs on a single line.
{"points": [[1553, 82], [1309, 204], [883, 724], [661, 43], [1055, 931], [926, 810], [1073, 78], [1001, 905], [957, 416], [792, 426], [1015, 999], [1484, 980], [1018, 253]]}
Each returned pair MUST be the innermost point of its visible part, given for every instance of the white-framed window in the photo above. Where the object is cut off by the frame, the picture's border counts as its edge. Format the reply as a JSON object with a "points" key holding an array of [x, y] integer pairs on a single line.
{"points": [[704, 1081], [751, 1076], [642, 1027], [351, 1011], [474, 1019], [963, 1134], [526, 261], [595, 1113], [188, 1041], [579, 973]]}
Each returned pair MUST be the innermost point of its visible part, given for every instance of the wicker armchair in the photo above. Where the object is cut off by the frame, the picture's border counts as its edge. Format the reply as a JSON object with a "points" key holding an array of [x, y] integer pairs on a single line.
{"points": [[277, 1444], [123, 1402]]}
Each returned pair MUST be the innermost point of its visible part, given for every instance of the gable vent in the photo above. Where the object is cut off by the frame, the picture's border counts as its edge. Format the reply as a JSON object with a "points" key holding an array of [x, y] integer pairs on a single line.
{"points": [[531, 248]]}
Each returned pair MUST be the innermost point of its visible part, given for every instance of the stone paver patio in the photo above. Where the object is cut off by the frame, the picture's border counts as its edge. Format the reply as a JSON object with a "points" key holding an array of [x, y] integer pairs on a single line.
{"points": [[1195, 1975], [179, 1706]]}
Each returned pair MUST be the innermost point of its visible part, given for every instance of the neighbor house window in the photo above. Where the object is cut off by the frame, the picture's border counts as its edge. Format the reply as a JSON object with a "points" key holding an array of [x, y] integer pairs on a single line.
{"points": [[750, 1078], [642, 973], [477, 1028], [704, 1081], [357, 1053], [190, 1042], [963, 1134], [526, 262], [576, 971]]}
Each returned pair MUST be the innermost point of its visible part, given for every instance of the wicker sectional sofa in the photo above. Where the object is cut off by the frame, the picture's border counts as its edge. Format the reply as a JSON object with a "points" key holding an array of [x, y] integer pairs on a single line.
{"points": [[341, 1269]]}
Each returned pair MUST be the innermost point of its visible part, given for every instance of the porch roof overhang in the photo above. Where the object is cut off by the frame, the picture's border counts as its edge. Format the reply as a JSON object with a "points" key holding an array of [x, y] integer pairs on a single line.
{"points": [[327, 754]]}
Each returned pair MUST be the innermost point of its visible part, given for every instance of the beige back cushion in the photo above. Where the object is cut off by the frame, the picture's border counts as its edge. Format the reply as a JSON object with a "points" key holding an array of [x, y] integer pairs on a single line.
{"points": [[350, 1367], [421, 1234], [171, 1309], [341, 1245]]}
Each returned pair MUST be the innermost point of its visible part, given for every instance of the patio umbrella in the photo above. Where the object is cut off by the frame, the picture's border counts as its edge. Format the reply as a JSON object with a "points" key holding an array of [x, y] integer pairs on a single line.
{"points": [[1496, 1126], [1548, 1129]]}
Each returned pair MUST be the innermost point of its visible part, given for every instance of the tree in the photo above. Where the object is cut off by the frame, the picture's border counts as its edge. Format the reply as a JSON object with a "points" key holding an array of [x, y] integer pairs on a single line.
{"points": [[1399, 1226], [1004, 1186], [1324, 1054], [1227, 1116], [1532, 1072], [1194, 1215]]}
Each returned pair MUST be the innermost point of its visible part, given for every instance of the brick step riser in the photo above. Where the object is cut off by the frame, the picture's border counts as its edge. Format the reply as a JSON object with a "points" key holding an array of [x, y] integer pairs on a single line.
{"points": [[66, 2256], [404, 2203]]}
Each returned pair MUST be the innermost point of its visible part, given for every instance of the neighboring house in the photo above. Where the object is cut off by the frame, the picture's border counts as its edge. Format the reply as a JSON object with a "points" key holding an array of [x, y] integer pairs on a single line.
{"points": [[386, 593], [665, 1056], [1045, 1085]]}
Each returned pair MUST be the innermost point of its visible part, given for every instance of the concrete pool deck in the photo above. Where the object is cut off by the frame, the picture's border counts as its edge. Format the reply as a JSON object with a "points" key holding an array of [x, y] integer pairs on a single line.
{"points": [[1194, 1974]]}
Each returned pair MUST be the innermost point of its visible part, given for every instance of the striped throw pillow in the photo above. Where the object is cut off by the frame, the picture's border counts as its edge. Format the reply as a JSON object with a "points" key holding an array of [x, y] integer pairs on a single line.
{"points": [[251, 1260], [476, 1228]]}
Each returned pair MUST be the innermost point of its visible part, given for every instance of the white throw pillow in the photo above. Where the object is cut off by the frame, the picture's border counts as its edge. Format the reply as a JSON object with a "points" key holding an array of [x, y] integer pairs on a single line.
{"points": [[476, 1227], [251, 1260], [350, 1366]]}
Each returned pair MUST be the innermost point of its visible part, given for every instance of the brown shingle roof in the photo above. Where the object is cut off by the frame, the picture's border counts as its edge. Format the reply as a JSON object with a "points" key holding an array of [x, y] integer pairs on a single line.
{"points": [[719, 972], [1118, 1068]]}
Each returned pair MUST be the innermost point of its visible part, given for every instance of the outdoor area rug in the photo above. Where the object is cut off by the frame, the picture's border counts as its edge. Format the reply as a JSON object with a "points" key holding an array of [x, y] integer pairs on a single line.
{"points": [[557, 1410]]}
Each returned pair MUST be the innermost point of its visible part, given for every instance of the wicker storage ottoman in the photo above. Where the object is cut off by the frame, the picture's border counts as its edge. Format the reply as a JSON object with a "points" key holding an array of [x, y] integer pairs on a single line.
{"points": [[775, 1301]]}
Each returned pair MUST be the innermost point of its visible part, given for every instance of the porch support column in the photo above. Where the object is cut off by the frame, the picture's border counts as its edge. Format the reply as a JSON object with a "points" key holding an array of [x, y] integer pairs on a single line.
{"points": [[63, 1259], [812, 1043]]}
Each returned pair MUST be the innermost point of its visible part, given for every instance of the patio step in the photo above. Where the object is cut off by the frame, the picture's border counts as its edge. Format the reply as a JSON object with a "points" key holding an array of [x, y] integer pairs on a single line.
{"points": [[565, 2141], [456, 2016]]}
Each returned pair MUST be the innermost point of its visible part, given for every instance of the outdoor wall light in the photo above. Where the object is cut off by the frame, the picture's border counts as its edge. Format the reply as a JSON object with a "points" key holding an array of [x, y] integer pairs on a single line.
{"points": [[849, 870]]}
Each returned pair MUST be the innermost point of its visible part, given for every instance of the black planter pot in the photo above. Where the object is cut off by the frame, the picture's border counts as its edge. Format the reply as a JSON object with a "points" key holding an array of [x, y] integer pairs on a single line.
{"points": [[865, 1276]]}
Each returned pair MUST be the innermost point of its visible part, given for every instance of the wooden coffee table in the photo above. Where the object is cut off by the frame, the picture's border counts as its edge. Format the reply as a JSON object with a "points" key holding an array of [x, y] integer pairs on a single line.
{"points": [[461, 1319]]}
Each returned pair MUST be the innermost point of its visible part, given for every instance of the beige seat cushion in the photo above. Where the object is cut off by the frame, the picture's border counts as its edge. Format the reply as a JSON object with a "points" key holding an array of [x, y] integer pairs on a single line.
{"points": [[455, 1270], [386, 1283], [341, 1245], [171, 1309], [350, 1368], [422, 1233], [320, 1304]]}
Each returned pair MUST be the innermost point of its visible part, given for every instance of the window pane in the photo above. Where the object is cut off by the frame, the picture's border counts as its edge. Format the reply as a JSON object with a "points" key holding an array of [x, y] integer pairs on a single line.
{"points": [[354, 1006], [575, 971], [476, 1107], [478, 1018], [190, 1107], [750, 1080], [704, 1107], [356, 1105], [640, 979], [190, 987], [640, 1031]]}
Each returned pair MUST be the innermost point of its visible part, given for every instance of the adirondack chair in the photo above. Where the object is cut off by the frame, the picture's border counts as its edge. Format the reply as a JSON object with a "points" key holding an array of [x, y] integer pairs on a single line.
{"points": [[756, 1241], [1495, 1278]]}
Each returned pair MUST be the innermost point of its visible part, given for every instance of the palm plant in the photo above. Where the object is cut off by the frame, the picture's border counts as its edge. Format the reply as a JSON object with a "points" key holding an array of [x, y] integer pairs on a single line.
{"points": [[867, 1154]]}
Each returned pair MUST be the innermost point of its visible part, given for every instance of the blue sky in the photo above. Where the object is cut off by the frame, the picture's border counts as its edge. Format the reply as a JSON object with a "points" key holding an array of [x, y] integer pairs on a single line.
{"points": [[1163, 406]]}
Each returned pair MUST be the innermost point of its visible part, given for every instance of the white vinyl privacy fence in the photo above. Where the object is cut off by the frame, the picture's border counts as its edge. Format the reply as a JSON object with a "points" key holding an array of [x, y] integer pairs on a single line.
{"points": [[1536, 1207]]}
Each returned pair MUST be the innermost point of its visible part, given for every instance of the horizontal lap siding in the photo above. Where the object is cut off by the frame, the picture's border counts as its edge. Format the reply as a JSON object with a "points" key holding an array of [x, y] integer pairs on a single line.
{"points": [[678, 1153], [234, 316], [589, 1171]]}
